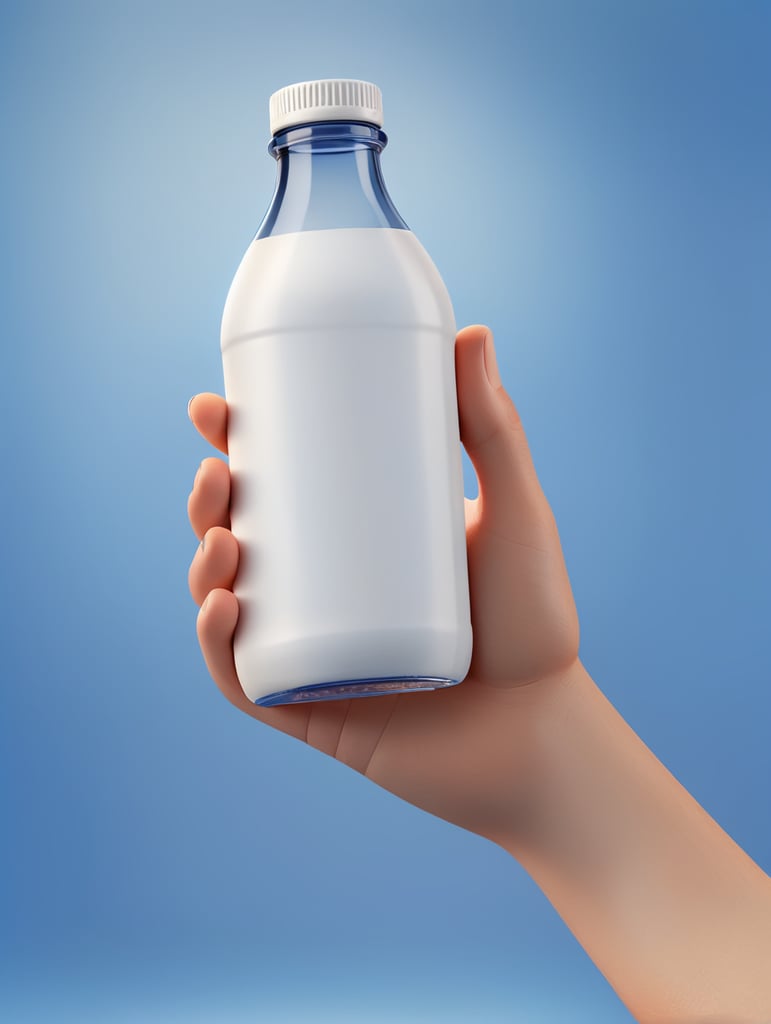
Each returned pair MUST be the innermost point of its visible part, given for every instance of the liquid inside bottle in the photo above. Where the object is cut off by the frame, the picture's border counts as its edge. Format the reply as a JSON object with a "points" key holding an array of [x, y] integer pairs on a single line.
{"points": [[347, 484]]}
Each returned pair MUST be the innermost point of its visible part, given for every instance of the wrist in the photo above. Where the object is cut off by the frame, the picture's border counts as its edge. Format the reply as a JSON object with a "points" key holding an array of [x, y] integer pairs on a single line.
{"points": [[536, 713], [669, 908], [522, 722]]}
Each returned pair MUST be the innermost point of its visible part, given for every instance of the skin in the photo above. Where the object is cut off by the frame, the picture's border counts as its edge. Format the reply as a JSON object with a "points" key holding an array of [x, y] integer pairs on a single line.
{"points": [[527, 752]]}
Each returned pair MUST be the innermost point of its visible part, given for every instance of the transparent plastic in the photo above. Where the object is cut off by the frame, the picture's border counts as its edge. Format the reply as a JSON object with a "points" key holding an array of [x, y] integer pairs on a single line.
{"points": [[329, 176]]}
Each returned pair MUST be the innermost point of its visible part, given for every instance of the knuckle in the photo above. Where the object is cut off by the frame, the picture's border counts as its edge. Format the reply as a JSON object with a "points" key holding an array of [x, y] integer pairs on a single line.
{"points": [[216, 534], [212, 464]]}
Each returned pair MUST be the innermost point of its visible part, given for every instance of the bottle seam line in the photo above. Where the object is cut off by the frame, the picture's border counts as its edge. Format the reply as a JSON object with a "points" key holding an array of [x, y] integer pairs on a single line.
{"points": [[311, 329]]}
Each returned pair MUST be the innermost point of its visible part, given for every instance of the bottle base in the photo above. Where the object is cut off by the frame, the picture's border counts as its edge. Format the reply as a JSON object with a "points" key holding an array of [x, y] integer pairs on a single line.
{"points": [[355, 688]]}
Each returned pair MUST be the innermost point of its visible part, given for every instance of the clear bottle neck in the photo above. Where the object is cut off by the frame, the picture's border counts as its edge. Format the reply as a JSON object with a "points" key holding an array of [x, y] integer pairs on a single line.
{"points": [[329, 176]]}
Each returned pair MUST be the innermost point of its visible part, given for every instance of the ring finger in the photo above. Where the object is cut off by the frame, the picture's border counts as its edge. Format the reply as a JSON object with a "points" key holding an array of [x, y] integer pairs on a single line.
{"points": [[214, 564], [209, 501]]}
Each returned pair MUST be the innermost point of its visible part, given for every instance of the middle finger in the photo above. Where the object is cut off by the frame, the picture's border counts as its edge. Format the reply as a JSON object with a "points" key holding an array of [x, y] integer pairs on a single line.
{"points": [[209, 501]]}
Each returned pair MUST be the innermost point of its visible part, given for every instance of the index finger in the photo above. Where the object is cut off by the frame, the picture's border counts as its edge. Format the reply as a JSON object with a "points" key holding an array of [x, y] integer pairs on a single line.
{"points": [[209, 414]]}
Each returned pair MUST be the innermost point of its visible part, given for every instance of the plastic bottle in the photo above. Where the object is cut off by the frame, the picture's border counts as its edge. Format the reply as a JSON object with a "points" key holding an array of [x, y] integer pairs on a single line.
{"points": [[347, 486]]}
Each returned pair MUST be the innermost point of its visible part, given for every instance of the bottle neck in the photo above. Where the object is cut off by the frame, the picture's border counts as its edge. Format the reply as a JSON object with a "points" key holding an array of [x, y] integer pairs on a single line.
{"points": [[329, 176]]}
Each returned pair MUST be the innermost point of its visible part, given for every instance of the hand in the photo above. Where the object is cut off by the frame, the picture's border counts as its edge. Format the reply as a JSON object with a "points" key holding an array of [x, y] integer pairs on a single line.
{"points": [[460, 753], [526, 750]]}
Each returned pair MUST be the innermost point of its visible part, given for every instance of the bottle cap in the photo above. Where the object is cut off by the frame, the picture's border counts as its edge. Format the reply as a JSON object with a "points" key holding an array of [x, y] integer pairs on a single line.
{"points": [[326, 99]]}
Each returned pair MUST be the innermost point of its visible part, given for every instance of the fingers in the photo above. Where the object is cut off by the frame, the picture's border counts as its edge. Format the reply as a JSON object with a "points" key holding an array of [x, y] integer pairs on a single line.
{"points": [[215, 626], [209, 414], [492, 432], [214, 565], [471, 509], [209, 501]]}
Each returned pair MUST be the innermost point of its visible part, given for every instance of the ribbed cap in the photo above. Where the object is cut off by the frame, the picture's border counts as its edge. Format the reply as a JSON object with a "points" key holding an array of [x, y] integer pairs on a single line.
{"points": [[326, 99]]}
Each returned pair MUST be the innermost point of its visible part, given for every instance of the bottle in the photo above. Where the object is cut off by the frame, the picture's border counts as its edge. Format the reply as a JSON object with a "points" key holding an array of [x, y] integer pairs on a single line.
{"points": [[338, 350]]}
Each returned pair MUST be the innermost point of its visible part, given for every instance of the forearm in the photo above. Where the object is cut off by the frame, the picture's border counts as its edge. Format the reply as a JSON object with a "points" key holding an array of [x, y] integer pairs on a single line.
{"points": [[675, 915]]}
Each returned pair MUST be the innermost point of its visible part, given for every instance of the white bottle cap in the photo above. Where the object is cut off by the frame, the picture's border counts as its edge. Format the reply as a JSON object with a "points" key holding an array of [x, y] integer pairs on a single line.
{"points": [[326, 99]]}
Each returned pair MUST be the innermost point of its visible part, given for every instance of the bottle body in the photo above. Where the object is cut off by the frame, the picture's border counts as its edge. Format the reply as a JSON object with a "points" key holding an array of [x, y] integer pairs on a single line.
{"points": [[347, 501]]}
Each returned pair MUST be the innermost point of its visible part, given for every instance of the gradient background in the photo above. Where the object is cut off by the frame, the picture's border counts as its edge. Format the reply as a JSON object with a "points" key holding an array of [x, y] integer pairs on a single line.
{"points": [[592, 181]]}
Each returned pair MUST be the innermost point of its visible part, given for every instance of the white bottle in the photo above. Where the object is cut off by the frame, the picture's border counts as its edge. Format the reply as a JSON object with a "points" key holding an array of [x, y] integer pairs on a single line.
{"points": [[347, 485]]}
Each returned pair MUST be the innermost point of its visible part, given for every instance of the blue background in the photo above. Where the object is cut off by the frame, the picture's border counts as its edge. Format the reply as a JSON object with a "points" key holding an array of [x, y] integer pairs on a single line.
{"points": [[592, 181]]}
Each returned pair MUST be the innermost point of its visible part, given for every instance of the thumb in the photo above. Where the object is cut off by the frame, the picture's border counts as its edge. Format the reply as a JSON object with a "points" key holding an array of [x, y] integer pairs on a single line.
{"points": [[492, 432]]}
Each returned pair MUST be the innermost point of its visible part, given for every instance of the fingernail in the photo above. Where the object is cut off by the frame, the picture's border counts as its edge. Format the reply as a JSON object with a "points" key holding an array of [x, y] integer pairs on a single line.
{"points": [[188, 408], [491, 362]]}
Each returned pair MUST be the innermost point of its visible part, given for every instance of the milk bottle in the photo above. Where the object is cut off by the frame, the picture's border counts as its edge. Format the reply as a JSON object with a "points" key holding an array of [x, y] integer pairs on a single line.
{"points": [[347, 484]]}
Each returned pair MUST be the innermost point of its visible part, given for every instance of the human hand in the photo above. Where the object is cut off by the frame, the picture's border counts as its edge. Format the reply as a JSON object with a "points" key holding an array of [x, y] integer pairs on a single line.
{"points": [[527, 751], [460, 753]]}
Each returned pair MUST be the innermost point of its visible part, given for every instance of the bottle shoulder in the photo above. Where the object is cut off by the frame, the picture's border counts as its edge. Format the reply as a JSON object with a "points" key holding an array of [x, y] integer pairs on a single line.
{"points": [[338, 277]]}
